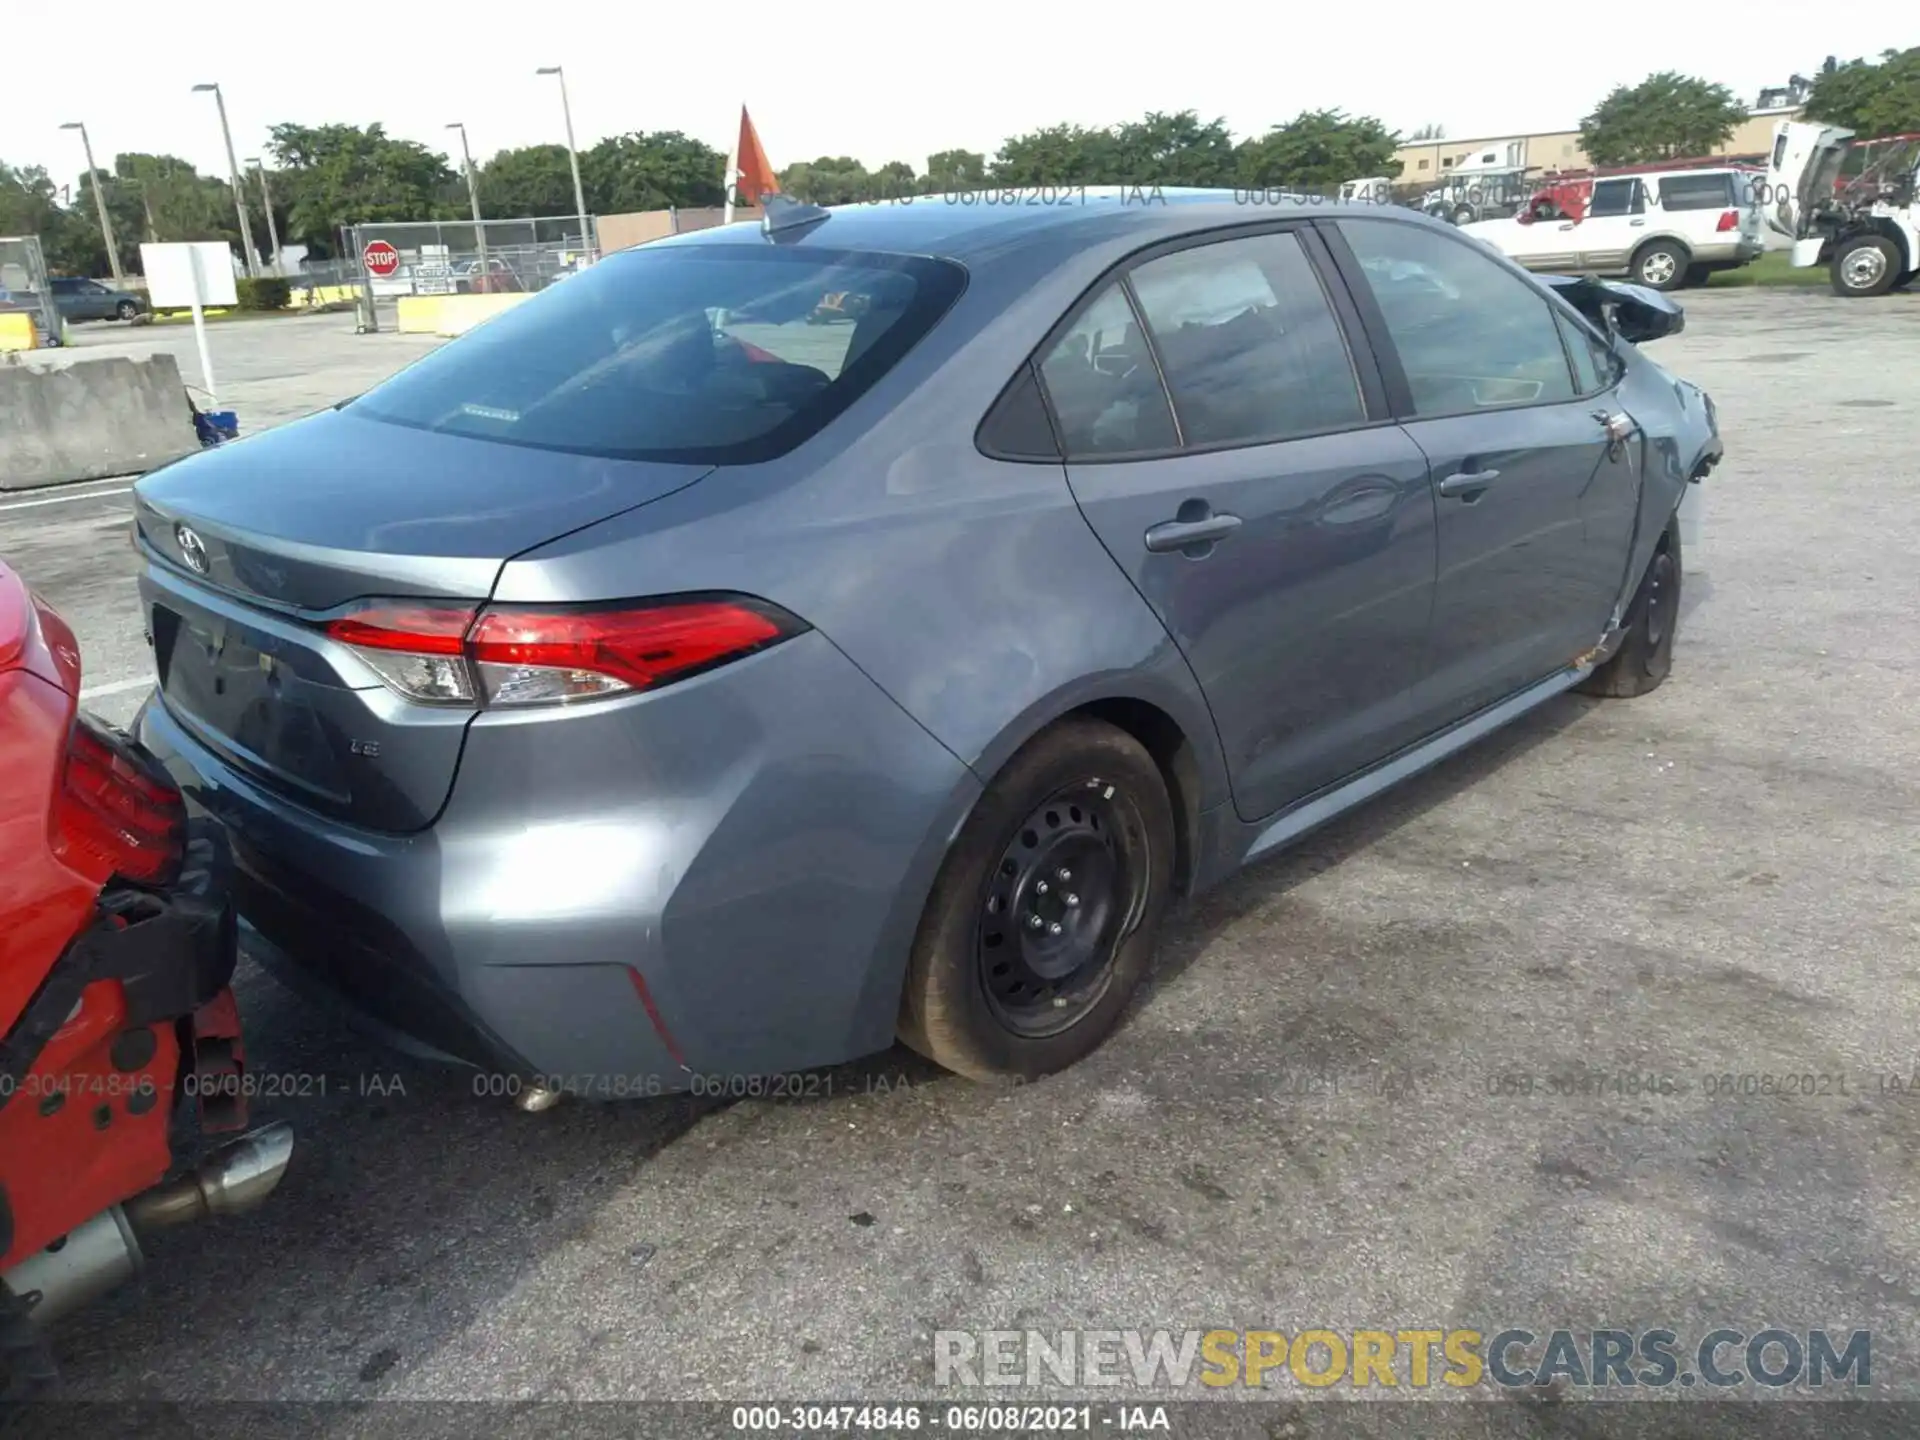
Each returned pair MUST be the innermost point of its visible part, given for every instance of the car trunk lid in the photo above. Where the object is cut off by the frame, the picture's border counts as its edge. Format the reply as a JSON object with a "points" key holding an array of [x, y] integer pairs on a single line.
{"points": [[252, 547]]}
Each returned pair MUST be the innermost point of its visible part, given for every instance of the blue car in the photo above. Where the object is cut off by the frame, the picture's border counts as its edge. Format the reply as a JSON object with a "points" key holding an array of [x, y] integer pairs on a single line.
{"points": [[651, 688]]}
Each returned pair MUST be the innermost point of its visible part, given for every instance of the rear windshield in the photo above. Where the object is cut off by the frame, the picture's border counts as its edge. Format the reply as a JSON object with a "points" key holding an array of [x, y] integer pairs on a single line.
{"points": [[712, 354]]}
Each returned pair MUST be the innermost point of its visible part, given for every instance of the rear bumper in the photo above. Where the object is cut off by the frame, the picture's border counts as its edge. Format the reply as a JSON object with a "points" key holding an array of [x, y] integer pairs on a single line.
{"points": [[721, 879]]}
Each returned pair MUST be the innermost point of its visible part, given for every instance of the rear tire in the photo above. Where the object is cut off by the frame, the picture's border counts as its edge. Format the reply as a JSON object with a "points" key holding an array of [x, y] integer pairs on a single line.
{"points": [[1865, 266], [1660, 265], [126, 310], [1077, 833], [1645, 656]]}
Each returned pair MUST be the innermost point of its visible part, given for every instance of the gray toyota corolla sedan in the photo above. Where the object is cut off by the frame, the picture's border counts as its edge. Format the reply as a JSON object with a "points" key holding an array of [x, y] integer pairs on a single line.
{"points": [[782, 639]]}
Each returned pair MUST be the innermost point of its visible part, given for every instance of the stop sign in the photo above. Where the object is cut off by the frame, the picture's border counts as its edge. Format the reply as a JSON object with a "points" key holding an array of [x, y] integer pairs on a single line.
{"points": [[381, 258]]}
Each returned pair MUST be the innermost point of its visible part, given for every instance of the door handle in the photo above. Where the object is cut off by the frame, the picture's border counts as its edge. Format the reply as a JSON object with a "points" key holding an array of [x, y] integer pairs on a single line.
{"points": [[1617, 425], [1468, 484], [1636, 222], [1195, 533]]}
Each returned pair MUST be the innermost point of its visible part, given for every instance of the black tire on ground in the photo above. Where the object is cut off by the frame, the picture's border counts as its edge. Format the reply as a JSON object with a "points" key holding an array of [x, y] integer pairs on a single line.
{"points": [[126, 310], [1463, 215], [1660, 265], [1697, 275], [1646, 655], [1081, 797], [1865, 266]]}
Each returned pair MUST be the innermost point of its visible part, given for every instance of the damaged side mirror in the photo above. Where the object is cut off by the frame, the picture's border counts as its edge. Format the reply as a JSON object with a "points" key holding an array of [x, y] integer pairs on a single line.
{"points": [[1633, 313]]}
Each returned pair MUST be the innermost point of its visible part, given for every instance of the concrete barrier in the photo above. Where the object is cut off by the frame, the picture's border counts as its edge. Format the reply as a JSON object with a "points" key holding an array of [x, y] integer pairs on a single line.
{"points": [[67, 417], [460, 313], [419, 314], [18, 331], [450, 315]]}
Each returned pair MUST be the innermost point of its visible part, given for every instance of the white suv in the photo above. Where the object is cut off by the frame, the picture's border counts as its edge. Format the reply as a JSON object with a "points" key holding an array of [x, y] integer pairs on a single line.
{"points": [[1659, 229]]}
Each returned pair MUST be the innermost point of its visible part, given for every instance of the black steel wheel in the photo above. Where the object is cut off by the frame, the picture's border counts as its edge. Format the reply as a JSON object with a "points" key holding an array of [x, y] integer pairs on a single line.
{"points": [[1043, 918], [1070, 883], [1645, 655]]}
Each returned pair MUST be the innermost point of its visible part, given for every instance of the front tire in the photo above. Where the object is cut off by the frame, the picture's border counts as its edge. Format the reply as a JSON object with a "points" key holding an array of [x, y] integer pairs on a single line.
{"points": [[1865, 266], [1645, 656], [1660, 265], [1044, 916]]}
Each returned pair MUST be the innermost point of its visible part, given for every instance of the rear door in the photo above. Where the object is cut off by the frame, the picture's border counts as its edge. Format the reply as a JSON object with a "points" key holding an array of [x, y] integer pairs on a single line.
{"points": [[1233, 452], [1615, 223], [1535, 497], [1700, 206]]}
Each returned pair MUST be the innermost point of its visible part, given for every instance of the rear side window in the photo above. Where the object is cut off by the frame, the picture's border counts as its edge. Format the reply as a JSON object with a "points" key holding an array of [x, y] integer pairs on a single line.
{"points": [[1617, 197], [1696, 192], [1101, 380], [711, 354], [1248, 341]]}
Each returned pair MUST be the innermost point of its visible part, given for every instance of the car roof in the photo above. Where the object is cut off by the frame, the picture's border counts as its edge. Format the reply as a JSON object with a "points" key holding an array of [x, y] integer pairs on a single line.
{"points": [[980, 225]]}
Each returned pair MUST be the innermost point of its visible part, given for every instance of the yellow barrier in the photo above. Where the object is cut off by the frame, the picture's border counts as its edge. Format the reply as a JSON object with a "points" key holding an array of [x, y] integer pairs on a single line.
{"points": [[305, 296], [460, 313], [420, 314], [18, 331]]}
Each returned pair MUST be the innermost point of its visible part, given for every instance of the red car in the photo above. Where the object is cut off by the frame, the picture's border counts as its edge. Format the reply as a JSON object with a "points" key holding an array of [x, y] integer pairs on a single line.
{"points": [[118, 1030]]}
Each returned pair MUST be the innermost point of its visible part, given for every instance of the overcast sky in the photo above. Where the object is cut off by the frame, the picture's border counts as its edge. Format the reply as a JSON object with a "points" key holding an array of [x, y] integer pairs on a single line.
{"points": [[878, 81]]}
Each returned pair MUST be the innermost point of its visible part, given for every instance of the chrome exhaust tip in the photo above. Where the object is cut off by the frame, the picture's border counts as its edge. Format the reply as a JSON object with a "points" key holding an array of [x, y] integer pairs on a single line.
{"points": [[536, 1098], [234, 1179]]}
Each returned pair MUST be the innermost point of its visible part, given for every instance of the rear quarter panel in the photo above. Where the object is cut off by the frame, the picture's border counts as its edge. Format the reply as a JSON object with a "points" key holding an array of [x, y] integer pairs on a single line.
{"points": [[971, 590]]}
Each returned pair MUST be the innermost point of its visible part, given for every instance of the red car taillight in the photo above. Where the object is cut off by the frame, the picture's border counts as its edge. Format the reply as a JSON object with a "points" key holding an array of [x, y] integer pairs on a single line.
{"points": [[1729, 220], [539, 655], [111, 815]]}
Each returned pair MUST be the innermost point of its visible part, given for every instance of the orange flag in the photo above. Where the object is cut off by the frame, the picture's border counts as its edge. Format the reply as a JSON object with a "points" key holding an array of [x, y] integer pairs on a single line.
{"points": [[753, 169]]}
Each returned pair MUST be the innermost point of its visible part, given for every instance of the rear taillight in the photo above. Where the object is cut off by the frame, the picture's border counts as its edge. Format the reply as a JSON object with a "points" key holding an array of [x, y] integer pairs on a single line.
{"points": [[541, 655], [112, 814], [1729, 220]]}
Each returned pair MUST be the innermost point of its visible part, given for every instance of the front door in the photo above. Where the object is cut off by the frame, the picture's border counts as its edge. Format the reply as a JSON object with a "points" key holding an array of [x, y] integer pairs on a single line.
{"points": [[1535, 496], [1226, 445]]}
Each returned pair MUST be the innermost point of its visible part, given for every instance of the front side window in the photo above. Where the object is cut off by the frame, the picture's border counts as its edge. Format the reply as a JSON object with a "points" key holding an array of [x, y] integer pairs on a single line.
{"points": [[1249, 343], [711, 354], [1470, 334], [1594, 365]]}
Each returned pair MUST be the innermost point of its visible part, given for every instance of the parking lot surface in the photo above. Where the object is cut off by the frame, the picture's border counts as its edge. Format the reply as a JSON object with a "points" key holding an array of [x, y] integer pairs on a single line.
{"points": [[1454, 1061]]}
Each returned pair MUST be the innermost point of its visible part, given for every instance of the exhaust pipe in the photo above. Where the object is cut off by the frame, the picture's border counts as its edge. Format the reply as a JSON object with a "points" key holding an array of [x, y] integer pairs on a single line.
{"points": [[104, 1253]]}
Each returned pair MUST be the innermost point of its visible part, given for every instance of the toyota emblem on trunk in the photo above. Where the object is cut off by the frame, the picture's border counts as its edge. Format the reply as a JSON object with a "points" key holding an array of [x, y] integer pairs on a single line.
{"points": [[193, 549]]}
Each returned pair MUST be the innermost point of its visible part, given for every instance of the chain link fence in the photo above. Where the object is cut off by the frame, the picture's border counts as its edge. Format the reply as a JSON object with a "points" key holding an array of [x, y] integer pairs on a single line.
{"points": [[23, 285], [453, 257]]}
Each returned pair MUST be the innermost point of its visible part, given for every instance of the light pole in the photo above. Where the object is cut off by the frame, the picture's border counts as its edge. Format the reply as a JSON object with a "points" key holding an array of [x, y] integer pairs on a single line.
{"points": [[266, 204], [233, 172], [99, 202], [473, 197], [573, 156]]}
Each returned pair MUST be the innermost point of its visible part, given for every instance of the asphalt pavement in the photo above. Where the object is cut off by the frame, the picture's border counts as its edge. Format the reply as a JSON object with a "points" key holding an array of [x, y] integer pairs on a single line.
{"points": [[1453, 1061]]}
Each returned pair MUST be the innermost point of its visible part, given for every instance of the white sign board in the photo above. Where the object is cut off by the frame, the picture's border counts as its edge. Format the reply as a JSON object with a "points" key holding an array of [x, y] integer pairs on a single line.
{"points": [[170, 274]]}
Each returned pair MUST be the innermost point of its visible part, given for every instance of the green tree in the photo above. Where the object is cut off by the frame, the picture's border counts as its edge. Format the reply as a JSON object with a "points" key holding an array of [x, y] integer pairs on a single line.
{"points": [[1870, 98], [345, 174], [829, 180], [1318, 148], [533, 180], [1163, 149], [1665, 116], [955, 170], [1056, 155], [650, 170]]}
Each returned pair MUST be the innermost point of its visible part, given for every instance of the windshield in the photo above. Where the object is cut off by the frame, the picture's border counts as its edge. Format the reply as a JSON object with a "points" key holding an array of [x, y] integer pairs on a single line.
{"points": [[711, 354]]}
